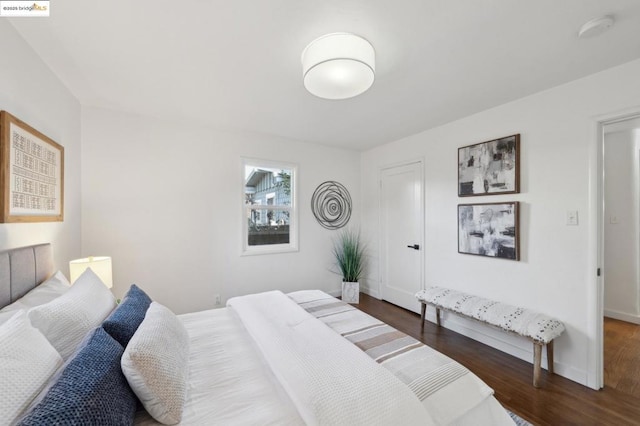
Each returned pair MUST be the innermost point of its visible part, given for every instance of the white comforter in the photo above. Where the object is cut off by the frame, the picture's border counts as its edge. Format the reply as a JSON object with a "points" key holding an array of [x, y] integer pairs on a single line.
{"points": [[232, 382], [330, 380], [229, 381]]}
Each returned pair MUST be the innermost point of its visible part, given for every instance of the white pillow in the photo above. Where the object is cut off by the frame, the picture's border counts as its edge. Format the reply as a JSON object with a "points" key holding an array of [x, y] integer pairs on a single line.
{"points": [[64, 321], [155, 364], [52, 288], [27, 361]]}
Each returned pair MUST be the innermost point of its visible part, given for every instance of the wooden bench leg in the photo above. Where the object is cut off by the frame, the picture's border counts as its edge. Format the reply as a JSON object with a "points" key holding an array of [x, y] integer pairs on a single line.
{"points": [[550, 356], [537, 361], [423, 315]]}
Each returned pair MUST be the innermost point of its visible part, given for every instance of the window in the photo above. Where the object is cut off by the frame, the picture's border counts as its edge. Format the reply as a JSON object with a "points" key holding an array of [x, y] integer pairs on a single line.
{"points": [[270, 222]]}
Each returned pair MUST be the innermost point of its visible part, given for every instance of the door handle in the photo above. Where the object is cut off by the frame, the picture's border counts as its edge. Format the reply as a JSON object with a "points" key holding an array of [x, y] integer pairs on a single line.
{"points": [[415, 246]]}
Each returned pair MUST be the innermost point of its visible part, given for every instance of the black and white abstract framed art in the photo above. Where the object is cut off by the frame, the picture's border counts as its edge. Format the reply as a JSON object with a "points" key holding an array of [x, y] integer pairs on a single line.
{"points": [[489, 229], [490, 168]]}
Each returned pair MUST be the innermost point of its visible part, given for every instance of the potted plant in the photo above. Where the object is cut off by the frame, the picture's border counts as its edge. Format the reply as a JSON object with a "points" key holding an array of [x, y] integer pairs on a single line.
{"points": [[349, 254]]}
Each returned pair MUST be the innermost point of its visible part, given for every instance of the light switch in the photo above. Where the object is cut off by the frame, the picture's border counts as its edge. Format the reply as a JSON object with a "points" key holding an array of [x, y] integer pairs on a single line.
{"points": [[572, 217]]}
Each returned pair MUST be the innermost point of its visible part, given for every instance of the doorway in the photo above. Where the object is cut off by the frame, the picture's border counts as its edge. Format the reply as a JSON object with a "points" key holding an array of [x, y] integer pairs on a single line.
{"points": [[401, 233], [620, 254]]}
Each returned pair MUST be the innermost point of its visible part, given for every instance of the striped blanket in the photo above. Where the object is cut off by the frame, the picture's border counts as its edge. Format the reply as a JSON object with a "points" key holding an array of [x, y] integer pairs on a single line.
{"points": [[424, 370]]}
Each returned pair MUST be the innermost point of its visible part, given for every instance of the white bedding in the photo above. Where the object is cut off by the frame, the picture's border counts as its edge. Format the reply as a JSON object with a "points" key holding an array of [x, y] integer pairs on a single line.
{"points": [[450, 393], [330, 380], [229, 382]]}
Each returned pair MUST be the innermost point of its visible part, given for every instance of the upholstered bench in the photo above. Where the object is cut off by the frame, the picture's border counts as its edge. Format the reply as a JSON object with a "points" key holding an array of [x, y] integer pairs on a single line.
{"points": [[540, 328]]}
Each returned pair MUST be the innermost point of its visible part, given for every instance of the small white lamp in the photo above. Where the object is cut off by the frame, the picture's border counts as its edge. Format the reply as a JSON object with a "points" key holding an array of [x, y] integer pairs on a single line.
{"points": [[338, 66], [101, 265]]}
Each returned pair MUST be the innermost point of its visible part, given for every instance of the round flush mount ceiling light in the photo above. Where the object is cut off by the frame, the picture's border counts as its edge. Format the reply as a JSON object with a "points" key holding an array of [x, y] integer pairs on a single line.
{"points": [[596, 26], [338, 66]]}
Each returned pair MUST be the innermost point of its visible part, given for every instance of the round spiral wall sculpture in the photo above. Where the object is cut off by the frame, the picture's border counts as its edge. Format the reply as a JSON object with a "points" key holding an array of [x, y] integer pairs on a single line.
{"points": [[331, 205]]}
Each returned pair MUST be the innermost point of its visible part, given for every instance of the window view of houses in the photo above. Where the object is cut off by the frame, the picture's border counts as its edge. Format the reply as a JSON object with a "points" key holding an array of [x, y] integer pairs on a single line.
{"points": [[268, 205]]}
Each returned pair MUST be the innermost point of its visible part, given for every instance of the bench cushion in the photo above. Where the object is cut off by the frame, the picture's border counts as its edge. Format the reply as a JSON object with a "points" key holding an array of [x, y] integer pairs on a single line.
{"points": [[539, 327]]}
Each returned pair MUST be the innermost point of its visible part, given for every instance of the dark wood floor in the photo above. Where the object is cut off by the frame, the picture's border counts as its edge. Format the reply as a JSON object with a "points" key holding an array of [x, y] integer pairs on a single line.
{"points": [[559, 402], [622, 356]]}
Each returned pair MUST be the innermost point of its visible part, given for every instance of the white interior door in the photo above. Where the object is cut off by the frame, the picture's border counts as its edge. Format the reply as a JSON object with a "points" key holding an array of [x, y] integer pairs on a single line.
{"points": [[401, 223]]}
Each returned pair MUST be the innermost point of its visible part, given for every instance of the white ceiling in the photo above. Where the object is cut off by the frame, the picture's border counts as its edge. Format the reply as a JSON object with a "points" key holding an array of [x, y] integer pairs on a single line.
{"points": [[235, 64]]}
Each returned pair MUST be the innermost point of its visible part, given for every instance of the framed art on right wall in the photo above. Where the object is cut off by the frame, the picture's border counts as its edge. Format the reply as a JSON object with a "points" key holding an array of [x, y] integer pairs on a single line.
{"points": [[490, 168], [489, 229]]}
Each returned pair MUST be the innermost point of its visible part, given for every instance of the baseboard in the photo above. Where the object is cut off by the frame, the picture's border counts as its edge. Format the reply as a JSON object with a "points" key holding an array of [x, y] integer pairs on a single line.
{"points": [[371, 292], [365, 290], [622, 316], [519, 347]]}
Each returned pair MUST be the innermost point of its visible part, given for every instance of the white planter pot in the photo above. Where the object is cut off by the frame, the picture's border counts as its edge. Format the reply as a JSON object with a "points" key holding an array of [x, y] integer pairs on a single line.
{"points": [[350, 292]]}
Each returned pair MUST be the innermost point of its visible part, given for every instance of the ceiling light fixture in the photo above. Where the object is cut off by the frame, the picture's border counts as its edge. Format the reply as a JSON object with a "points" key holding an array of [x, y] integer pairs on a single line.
{"points": [[338, 66], [596, 26]]}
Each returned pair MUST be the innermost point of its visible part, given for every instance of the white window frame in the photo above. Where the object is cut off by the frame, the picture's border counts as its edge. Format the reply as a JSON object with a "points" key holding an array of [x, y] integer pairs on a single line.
{"points": [[292, 246]]}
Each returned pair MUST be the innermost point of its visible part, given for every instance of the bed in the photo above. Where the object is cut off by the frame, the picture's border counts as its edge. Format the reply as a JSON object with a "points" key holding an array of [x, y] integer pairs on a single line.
{"points": [[269, 358]]}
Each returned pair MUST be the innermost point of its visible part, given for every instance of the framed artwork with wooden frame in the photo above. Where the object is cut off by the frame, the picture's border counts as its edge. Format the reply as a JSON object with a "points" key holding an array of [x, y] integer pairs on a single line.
{"points": [[31, 174], [489, 168], [489, 229]]}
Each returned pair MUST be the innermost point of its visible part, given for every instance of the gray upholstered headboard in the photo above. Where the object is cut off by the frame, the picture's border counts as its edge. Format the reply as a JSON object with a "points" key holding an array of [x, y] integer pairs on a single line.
{"points": [[22, 269]]}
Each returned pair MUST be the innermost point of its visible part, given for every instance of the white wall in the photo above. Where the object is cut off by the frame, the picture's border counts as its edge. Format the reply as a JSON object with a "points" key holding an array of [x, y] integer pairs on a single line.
{"points": [[558, 136], [31, 92], [164, 200], [621, 216]]}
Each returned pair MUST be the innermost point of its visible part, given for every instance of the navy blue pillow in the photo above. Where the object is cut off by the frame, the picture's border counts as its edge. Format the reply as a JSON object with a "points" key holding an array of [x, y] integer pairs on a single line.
{"points": [[125, 319], [91, 390]]}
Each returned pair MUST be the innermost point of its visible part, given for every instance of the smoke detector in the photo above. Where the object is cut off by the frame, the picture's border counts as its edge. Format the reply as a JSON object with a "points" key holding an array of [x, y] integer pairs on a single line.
{"points": [[596, 26]]}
